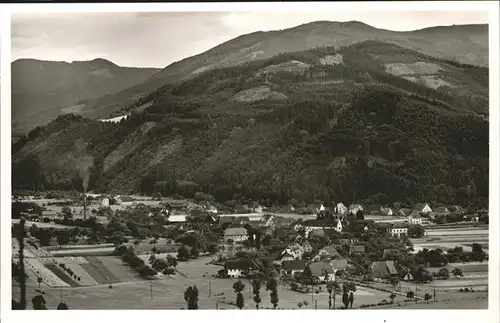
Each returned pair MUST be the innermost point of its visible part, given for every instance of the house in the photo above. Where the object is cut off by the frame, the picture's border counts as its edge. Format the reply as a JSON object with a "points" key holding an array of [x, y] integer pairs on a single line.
{"points": [[320, 209], [415, 218], [236, 268], [320, 269], [286, 255], [124, 200], [423, 208], [293, 266], [354, 208], [175, 205], [268, 220], [177, 216], [327, 253], [295, 250], [441, 211], [386, 211], [235, 234], [240, 221], [356, 249], [211, 209], [398, 231], [292, 209], [341, 209], [383, 270], [226, 220], [322, 224], [315, 233], [404, 212], [338, 264], [105, 201]]}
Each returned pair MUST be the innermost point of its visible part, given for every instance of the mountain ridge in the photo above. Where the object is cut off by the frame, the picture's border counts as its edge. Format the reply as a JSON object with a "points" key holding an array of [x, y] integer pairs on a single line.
{"points": [[471, 48], [371, 122]]}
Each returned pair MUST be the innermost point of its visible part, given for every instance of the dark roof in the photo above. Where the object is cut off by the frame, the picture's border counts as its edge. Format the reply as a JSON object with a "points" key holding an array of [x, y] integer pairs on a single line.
{"points": [[237, 264], [320, 223], [294, 264], [420, 206], [340, 264], [235, 232], [318, 269], [226, 219], [365, 222], [391, 253], [330, 250]]}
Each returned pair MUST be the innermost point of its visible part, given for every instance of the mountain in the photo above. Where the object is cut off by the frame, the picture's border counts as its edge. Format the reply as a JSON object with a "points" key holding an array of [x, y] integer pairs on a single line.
{"points": [[466, 44], [43, 90], [371, 122]]}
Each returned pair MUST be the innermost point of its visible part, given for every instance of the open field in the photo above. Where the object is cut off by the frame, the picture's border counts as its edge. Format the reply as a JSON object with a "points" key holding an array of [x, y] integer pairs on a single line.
{"points": [[167, 293], [44, 225]]}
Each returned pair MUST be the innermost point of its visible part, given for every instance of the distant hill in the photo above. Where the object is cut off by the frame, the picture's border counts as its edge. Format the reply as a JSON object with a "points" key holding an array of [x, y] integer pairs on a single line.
{"points": [[43, 90], [463, 43], [371, 122]]}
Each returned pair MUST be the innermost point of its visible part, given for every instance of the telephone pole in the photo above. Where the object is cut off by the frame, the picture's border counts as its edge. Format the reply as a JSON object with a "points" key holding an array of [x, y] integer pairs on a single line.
{"points": [[151, 288], [209, 288]]}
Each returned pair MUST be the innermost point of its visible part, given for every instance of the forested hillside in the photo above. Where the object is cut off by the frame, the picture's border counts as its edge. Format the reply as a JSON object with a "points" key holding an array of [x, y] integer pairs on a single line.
{"points": [[372, 122]]}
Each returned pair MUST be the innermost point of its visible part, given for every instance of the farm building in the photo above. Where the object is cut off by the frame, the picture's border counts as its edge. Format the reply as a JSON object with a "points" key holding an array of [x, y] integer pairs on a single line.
{"points": [[105, 201], [341, 209], [404, 212], [327, 253], [236, 268], [391, 254], [320, 269], [386, 211], [293, 266], [338, 264], [235, 234], [307, 247], [423, 208], [383, 270], [177, 217]]}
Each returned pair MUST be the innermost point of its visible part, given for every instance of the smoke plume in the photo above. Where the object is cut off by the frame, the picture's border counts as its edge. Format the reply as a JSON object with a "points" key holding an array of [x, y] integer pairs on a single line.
{"points": [[83, 162]]}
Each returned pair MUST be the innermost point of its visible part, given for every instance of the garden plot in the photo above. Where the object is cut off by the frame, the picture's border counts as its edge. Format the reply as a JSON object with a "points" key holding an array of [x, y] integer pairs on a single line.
{"points": [[99, 272], [83, 252], [37, 267], [123, 272]]}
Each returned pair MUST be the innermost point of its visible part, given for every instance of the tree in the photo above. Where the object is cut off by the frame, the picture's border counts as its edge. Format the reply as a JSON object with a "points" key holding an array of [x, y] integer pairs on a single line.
{"points": [[477, 252], [66, 212], [171, 261], [360, 215], [39, 280], [351, 299], [194, 252], [38, 302], [62, 306], [256, 292], [345, 298], [416, 231], [410, 294], [183, 253], [238, 288], [392, 297], [332, 288], [272, 285], [457, 272], [191, 297], [427, 297]]}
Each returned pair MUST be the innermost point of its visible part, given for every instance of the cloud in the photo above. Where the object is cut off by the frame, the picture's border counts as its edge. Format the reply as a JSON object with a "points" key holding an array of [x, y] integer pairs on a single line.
{"points": [[159, 38]]}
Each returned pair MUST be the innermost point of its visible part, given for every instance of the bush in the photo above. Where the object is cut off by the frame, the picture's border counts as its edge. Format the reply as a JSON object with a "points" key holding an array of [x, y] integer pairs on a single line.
{"points": [[466, 289], [461, 290]]}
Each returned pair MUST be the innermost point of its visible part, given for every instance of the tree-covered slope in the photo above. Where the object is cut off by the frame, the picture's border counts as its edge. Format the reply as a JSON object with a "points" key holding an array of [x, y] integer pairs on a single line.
{"points": [[371, 122]]}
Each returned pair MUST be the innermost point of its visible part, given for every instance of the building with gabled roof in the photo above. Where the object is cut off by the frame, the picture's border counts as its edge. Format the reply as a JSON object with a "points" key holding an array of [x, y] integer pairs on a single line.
{"points": [[384, 270], [235, 234]]}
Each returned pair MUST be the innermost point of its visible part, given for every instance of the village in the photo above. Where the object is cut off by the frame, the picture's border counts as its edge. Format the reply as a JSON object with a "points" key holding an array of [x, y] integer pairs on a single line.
{"points": [[329, 255]]}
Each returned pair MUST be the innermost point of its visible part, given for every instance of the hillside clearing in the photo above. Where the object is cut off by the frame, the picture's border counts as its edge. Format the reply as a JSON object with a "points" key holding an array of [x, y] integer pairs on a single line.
{"points": [[258, 94]]}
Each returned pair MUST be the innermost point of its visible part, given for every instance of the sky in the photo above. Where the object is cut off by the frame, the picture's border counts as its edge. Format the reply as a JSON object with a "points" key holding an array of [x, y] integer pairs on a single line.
{"points": [[157, 39]]}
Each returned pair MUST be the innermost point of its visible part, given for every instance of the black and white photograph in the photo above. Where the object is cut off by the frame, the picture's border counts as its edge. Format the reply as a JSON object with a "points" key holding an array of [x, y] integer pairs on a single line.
{"points": [[241, 160]]}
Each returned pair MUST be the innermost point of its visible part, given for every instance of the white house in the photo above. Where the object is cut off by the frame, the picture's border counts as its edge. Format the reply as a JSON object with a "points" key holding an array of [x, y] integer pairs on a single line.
{"points": [[341, 209], [236, 268], [235, 234], [398, 231], [386, 211], [296, 251], [320, 209], [338, 226], [423, 208]]}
